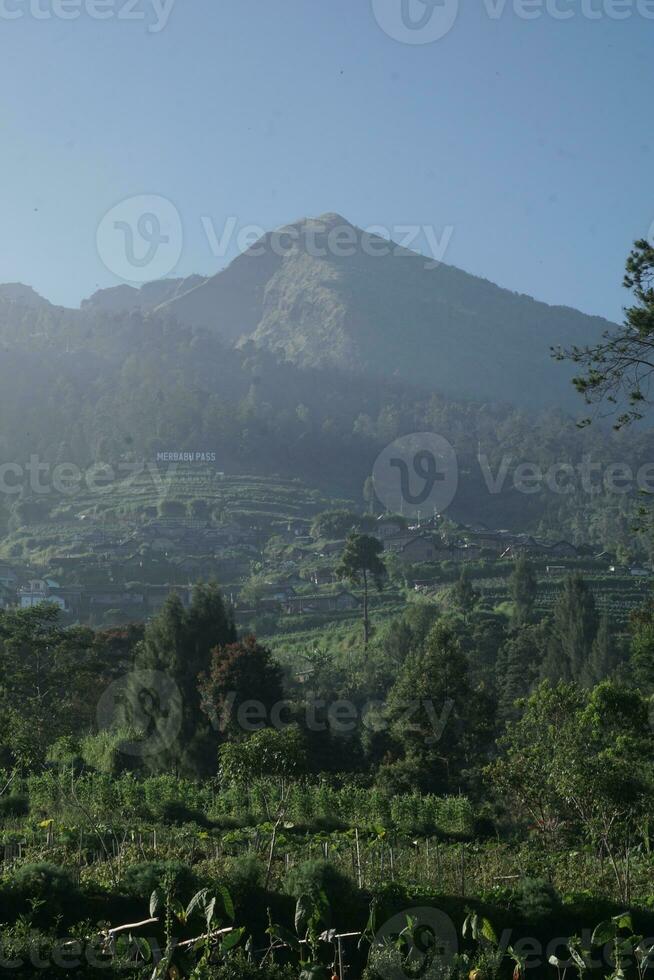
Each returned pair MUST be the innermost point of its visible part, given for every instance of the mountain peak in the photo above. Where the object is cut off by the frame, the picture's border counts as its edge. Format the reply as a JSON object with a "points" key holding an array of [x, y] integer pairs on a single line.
{"points": [[318, 223], [18, 292], [385, 312]]}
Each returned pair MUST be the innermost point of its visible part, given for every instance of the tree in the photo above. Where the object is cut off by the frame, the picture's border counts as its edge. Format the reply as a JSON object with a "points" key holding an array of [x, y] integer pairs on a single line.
{"points": [[279, 754], [582, 761], [276, 754], [178, 645], [240, 688], [361, 563], [48, 679], [482, 638], [198, 509], [465, 595], [253, 591], [523, 588], [334, 524], [574, 628], [171, 508], [525, 774], [604, 655], [517, 666], [641, 660], [619, 368], [434, 715]]}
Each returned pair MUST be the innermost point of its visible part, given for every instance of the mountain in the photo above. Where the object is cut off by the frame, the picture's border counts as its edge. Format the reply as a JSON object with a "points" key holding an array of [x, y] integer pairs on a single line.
{"points": [[118, 381], [16, 292], [386, 311], [124, 299]]}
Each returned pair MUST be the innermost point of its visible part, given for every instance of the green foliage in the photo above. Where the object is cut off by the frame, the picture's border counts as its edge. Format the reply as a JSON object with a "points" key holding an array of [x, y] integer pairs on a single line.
{"points": [[523, 588], [517, 666], [240, 967], [315, 877], [581, 760], [103, 751], [48, 673], [142, 879], [243, 875], [574, 628], [464, 595], [280, 754], [435, 715], [45, 887], [239, 687], [334, 524], [361, 563], [642, 649], [617, 369], [15, 805], [178, 645], [536, 899]]}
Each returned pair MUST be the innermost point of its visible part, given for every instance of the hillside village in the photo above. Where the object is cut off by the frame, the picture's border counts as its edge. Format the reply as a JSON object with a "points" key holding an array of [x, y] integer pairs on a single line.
{"points": [[276, 567]]}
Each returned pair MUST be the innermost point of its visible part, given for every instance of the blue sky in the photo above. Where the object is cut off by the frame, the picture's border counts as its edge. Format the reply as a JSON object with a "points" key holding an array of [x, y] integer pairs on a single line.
{"points": [[530, 139]]}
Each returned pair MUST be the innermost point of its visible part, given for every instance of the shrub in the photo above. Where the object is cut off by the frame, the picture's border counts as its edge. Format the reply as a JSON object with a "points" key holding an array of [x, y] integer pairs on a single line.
{"points": [[103, 751], [243, 875], [313, 877], [140, 880], [536, 899], [14, 806], [176, 812], [43, 880], [49, 888]]}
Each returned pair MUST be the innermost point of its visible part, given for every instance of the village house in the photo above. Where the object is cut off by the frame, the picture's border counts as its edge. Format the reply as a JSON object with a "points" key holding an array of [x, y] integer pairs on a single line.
{"points": [[290, 530], [321, 603], [494, 541], [39, 591], [419, 549], [395, 543], [322, 576], [277, 592], [388, 527], [563, 549], [460, 552], [196, 568], [113, 597]]}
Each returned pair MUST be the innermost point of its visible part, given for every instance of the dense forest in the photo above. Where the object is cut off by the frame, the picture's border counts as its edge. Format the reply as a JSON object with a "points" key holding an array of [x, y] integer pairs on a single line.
{"points": [[87, 387]]}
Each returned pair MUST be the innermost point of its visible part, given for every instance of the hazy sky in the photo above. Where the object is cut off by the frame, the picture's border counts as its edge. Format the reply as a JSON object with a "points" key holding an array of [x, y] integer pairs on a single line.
{"points": [[525, 144]]}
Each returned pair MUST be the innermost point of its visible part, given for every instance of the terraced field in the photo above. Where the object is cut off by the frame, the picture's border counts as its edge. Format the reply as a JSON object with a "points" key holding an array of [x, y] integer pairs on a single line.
{"points": [[119, 506]]}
